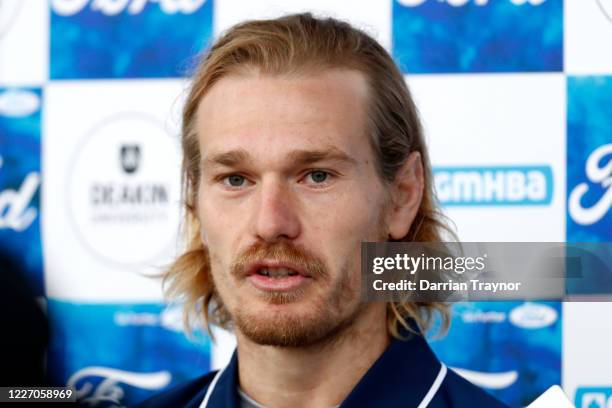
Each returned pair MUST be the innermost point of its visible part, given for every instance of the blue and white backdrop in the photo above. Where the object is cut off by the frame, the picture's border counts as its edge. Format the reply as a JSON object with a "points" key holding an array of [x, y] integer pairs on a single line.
{"points": [[516, 98]]}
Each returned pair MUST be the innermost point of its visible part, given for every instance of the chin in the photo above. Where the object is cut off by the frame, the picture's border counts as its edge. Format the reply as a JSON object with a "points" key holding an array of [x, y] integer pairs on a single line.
{"points": [[300, 324]]}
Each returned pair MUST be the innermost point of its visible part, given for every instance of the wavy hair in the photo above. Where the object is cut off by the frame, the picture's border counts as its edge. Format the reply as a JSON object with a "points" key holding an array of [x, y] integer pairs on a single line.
{"points": [[294, 44]]}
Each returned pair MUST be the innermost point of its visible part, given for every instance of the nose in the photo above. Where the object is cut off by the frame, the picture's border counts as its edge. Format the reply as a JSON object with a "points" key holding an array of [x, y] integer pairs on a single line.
{"points": [[276, 215]]}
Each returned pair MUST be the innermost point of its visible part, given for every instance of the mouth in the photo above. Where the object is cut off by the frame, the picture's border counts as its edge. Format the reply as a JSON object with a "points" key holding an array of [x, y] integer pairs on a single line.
{"points": [[276, 273], [277, 277]]}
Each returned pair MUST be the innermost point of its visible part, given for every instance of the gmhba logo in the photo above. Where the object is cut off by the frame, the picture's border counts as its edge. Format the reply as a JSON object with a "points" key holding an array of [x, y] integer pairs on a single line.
{"points": [[495, 185]]}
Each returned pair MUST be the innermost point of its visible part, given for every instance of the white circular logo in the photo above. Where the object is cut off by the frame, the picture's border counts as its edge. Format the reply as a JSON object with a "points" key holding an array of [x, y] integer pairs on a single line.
{"points": [[9, 9], [533, 316], [18, 103], [124, 190]]}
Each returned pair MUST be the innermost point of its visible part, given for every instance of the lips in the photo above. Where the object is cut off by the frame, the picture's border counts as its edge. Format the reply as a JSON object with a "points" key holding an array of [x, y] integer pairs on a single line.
{"points": [[273, 276], [275, 270]]}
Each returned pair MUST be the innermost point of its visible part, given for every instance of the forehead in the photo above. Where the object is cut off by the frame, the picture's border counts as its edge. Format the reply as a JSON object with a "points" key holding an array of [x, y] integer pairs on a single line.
{"points": [[270, 114]]}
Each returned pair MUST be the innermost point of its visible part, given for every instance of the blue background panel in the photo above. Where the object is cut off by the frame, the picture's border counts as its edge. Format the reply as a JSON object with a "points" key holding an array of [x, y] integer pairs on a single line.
{"points": [[150, 44], [132, 345], [505, 338], [589, 127], [20, 152], [499, 36]]}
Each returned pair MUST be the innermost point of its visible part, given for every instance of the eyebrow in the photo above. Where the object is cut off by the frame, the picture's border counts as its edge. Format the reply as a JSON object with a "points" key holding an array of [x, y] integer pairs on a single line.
{"points": [[228, 159], [305, 157], [236, 157]]}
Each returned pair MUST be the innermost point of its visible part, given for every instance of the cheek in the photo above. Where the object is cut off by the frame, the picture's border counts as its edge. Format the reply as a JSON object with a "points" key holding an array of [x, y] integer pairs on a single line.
{"points": [[350, 217], [341, 232], [215, 236], [212, 220], [202, 214], [218, 271], [224, 286]]}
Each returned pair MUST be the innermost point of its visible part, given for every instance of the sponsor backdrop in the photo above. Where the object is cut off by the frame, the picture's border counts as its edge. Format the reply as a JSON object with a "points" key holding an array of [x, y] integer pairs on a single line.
{"points": [[516, 100]]}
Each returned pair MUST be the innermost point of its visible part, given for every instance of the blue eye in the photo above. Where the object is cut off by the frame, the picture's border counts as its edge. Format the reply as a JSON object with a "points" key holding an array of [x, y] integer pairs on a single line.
{"points": [[235, 180], [319, 176]]}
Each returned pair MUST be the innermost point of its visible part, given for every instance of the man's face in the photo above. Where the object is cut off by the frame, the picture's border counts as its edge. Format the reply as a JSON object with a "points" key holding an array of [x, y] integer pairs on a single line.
{"points": [[288, 191]]}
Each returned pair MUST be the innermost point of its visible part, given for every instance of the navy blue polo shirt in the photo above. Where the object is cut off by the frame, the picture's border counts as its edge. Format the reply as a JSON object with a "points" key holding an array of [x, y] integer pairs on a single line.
{"points": [[407, 375]]}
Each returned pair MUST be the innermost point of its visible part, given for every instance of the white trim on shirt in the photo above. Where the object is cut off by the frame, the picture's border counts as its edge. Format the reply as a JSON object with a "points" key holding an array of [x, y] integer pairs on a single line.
{"points": [[211, 387], [434, 387]]}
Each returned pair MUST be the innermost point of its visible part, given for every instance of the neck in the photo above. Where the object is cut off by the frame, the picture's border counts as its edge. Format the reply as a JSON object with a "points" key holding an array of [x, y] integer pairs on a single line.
{"points": [[319, 375]]}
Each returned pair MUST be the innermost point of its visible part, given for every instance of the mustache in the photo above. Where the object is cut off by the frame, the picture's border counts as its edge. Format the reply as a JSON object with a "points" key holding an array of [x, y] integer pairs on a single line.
{"points": [[283, 252]]}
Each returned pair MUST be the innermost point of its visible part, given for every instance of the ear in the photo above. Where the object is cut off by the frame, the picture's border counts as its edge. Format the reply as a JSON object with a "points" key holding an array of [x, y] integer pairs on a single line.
{"points": [[406, 196]]}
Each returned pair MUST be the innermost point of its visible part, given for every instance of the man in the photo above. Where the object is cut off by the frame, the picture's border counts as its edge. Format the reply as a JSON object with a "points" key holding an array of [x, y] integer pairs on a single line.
{"points": [[301, 141]]}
